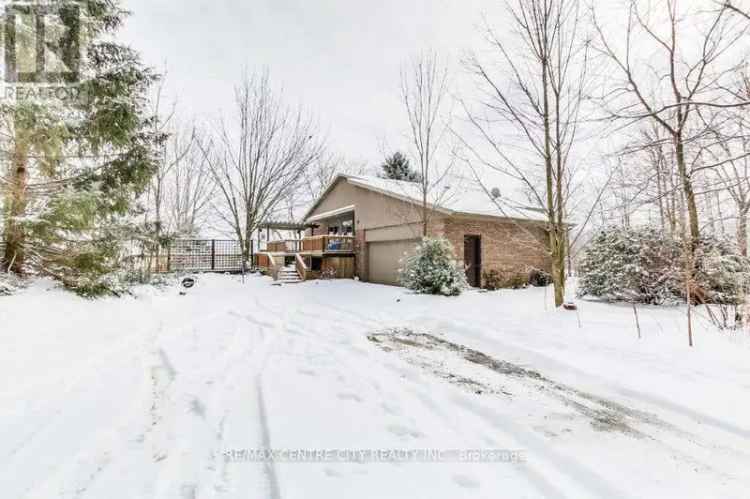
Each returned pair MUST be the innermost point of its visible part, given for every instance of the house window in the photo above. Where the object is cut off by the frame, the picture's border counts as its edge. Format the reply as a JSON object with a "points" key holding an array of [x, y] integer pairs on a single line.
{"points": [[341, 226]]}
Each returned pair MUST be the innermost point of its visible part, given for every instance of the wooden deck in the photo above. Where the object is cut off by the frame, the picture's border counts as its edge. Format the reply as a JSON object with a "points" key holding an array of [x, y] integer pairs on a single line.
{"points": [[316, 257], [314, 245]]}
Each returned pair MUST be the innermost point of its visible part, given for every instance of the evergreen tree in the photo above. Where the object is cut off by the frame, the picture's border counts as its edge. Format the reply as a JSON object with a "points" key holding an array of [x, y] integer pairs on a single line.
{"points": [[76, 166], [397, 167], [433, 269], [722, 273], [645, 265], [636, 265]]}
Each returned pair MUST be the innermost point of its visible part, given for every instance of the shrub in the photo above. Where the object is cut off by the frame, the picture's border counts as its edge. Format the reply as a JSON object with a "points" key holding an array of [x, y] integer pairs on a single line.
{"points": [[493, 279], [539, 278], [722, 274], [9, 284], [97, 286], [433, 269], [516, 281], [639, 265]]}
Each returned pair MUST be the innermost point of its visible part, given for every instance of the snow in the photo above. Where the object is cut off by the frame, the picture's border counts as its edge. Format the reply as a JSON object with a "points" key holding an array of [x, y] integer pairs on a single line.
{"points": [[163, 396]]}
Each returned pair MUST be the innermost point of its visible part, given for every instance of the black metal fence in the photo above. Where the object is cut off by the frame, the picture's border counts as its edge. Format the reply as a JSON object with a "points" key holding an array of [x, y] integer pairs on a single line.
{"points": [[193, 255]]}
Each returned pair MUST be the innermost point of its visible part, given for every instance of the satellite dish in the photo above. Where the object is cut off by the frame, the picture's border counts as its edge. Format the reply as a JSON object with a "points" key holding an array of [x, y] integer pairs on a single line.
{"points": [[495, 192]]}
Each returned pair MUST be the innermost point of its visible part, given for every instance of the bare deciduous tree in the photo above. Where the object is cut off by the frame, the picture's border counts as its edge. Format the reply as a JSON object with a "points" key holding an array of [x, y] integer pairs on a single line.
{"points": [[671, 85], [258, 159], [539, 98], [733, 141], [424, 92], [189, 187]]}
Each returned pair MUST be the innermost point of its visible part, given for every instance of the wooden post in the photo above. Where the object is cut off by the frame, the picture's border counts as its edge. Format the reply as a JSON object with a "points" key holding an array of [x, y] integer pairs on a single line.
{"points": [[637, 322], [252, 253], [213, 254]]}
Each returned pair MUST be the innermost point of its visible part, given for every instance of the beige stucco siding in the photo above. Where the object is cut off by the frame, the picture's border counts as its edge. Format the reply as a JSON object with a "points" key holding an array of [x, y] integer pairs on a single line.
{"points": [[372, 209]]}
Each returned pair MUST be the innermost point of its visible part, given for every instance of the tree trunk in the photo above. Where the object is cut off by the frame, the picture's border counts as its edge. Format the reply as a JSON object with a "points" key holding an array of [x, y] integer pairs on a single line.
{"points": [[424, 214], [742, 231], [660, 194], [557, 245], [17, 200], [558, 272], [687, 187]]}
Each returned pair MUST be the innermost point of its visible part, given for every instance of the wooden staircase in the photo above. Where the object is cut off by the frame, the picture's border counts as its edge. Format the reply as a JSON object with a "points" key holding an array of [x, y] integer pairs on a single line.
{"points": [[288, 275]]}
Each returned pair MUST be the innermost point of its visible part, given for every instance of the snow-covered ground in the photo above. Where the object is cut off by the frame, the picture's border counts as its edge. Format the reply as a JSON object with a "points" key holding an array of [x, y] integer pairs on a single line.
{"points": [[167, 396]]}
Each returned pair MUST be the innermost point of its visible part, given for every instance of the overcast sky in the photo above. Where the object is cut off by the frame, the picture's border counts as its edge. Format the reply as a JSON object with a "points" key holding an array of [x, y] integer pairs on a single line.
{"points": [[340, 58]]}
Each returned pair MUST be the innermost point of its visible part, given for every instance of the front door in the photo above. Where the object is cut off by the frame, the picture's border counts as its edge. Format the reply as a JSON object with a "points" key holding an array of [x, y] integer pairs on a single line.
{"points": [[473, 260]]}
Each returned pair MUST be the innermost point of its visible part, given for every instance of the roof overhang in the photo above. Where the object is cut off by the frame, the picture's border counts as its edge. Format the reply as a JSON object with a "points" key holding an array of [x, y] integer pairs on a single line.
{"points": [[283, 225], [330, 214]]}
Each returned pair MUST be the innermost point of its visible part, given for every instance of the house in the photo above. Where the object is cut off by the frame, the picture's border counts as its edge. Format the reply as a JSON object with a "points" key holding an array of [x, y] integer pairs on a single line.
{"points": [[364, 226]]}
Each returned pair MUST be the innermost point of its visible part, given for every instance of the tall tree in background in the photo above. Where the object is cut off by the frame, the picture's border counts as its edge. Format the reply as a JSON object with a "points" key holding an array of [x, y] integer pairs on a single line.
{"points": [[75, 167], [538, 99], [178, 197], [669, 71], [259, 159], [397, 167], [424, 93]]}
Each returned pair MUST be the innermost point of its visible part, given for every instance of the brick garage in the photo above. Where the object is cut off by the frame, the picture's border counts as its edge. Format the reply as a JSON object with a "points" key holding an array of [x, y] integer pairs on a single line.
{"points": [[510, 247]]}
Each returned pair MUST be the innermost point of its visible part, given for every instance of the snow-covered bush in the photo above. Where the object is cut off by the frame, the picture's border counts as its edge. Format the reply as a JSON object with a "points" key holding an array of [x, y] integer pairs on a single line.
{"points": [[433, 269], [95, 286], [117, 283], [540, 278], [639, 265], [644, 265], [9, 284], [722, 274], [494, 279]]}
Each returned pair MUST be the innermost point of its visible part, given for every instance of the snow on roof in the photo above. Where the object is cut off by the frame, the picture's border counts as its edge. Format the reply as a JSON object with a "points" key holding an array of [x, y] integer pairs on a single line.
{"points": [[452, 197]]}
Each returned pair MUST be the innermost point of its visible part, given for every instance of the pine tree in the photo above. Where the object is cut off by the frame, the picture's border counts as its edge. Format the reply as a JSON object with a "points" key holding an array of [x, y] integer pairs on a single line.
{"points": [[397, 167], [433, 269], [635, 265], [646, 265], [76, 166]]}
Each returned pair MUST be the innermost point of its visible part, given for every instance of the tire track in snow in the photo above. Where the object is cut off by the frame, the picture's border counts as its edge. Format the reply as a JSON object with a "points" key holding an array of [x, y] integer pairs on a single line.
{"points": [[651, 401], [259, 358], [340, 352], [268, 465]]}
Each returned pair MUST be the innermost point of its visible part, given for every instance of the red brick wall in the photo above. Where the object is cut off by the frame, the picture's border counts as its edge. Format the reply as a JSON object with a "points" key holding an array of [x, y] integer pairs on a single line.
{"points": [[506, 246]]}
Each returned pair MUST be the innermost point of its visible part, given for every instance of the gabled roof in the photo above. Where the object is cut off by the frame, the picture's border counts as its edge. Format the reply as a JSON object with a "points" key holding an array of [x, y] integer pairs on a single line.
{"points": [[450, 199]]}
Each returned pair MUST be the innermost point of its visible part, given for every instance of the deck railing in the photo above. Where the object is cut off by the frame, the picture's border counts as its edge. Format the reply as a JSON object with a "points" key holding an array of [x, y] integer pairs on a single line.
{"points": [[314, 244], [285, 246], [329, 244]]}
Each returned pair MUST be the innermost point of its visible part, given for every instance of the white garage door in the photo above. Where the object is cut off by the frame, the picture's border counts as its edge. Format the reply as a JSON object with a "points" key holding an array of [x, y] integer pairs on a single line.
{"points": [[384, 259]]}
